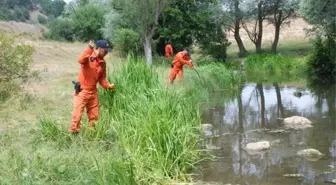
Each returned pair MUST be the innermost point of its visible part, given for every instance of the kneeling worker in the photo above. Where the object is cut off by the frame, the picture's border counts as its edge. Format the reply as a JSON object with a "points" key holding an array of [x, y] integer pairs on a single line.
{"points": [[92, 71], [180, 59]]}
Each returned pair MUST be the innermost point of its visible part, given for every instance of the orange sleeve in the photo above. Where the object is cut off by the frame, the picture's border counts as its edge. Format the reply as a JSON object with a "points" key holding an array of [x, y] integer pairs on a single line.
{"points": [[102, 80], [84, 58], [186, 61]]}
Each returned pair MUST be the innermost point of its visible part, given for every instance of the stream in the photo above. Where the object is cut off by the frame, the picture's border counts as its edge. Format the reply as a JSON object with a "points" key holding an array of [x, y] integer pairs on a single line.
{"points": [[251, 116]]}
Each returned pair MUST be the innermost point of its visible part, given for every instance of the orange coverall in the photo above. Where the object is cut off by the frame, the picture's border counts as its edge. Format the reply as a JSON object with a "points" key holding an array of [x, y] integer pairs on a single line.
{"points": [[180, 59], [169, 51], [92, 71]]}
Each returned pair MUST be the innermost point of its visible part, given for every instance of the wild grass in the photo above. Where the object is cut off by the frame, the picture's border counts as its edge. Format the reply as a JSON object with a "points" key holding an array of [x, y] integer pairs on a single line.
{"points": [[148, 133], [279, 66]]}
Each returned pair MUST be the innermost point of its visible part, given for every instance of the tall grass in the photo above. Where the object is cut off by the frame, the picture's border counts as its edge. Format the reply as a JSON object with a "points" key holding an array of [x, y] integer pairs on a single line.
{"points": [[155, 127], [279, 66], [147, 133]]}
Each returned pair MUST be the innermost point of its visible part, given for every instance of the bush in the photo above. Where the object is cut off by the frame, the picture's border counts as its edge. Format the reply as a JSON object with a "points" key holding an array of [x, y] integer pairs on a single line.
{"points": [[15, 64], [127, 41], [215, 44], [41, 19], [88, 22], [61, 30], [322, 61]]}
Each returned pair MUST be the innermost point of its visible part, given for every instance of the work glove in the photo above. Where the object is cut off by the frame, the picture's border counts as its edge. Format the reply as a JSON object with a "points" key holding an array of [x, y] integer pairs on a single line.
{"points": [[111, 86]]}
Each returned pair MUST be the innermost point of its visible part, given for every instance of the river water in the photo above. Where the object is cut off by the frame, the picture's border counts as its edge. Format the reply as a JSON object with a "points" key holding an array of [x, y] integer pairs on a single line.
{"points": [[250, 116]]}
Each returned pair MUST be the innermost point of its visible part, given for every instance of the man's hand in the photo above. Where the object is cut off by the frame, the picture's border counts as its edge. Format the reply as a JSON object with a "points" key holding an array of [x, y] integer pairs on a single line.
{"points": [[91, 44], [111, 86], [192, 65]]}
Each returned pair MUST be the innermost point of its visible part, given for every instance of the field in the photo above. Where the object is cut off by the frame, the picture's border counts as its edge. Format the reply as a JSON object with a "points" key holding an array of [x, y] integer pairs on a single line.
{"points": [[141, 130]]}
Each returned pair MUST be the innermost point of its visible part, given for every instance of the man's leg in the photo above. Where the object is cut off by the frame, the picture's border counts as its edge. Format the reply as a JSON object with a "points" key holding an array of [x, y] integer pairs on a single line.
{"points": [[180, 75], [92, 108], [173, 74], [79, 104]]}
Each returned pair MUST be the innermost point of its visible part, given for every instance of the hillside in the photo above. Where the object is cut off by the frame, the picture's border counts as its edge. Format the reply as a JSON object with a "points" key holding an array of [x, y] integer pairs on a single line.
{"points": [[30, 11]]}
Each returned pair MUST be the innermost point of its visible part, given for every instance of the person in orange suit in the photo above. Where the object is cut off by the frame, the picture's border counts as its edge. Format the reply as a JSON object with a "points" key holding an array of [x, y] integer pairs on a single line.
{"points": [[169, 50], [92, 71], [180, 60]]}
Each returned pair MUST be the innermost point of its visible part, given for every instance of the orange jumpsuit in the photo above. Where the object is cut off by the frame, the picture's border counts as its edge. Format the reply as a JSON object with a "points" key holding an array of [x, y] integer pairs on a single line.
{"points": [[169, 51], [92, 71], [180, 59]]}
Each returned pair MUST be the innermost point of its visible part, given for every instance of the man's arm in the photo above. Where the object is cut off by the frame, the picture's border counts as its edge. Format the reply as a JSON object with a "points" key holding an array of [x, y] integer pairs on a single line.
{"points": [[188, 62], [102, 79], [84, 57]]}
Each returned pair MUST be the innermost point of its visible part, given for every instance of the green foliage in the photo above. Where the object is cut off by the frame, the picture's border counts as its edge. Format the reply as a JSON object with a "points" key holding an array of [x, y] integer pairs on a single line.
{"points": [[322, 61], [322, 14], [260, 66], [15, 64], [52, 7], [184, 23], [61, 30], [127, 41], [88, 21], [41, 19]]}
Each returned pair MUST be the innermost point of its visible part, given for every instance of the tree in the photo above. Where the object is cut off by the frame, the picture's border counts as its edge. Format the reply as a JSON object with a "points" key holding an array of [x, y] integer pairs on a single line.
{"points": [[280, 13], [210, 35], [190, 22], [320, 13], [143, 16], [88, 22], [322, 61], [256, 11], [236, 19]]}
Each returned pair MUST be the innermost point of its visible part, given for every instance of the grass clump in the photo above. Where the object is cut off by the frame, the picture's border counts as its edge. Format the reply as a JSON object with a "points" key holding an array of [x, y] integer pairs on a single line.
{"points": [[279, 66], [154, 126]]}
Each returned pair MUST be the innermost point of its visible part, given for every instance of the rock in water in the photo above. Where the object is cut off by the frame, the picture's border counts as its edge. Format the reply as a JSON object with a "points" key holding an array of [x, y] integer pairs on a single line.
{"points": [[310, 154], [294, 175], [206, 126], [258, 146], [297, 122]]}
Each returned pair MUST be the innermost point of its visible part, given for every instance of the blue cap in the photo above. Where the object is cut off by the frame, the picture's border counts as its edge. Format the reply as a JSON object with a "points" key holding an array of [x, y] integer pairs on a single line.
{"points": [[188, 51], [104, 44]]}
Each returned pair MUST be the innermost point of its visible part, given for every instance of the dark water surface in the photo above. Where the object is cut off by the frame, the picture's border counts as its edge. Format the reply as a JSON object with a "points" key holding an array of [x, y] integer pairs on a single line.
{"points": [[258, 106]]}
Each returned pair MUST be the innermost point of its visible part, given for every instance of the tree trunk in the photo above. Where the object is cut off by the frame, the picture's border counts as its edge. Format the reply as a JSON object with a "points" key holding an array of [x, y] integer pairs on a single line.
{"points": [[260, 28], [276, 39], [240, 43], [148, 49]]}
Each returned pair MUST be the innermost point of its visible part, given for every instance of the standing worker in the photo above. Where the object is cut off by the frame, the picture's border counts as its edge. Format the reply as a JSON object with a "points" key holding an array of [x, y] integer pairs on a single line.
{"points": [[169, 50], [92, 71], [180, 59]]}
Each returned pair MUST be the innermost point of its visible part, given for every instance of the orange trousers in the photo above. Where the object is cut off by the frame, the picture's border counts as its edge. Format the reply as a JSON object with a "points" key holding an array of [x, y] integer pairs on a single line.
{"points": [[85, 99], [176, 71]]}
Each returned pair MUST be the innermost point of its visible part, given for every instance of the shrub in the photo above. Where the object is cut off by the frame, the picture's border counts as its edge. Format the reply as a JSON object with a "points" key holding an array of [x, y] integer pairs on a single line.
{"points": [[127, 41], [41, 19], [61, 30], [322, 61], [15, 64]]}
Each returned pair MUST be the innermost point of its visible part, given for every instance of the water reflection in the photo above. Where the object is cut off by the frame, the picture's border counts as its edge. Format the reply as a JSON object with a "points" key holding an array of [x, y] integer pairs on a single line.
{"points": [[259, 106]]}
